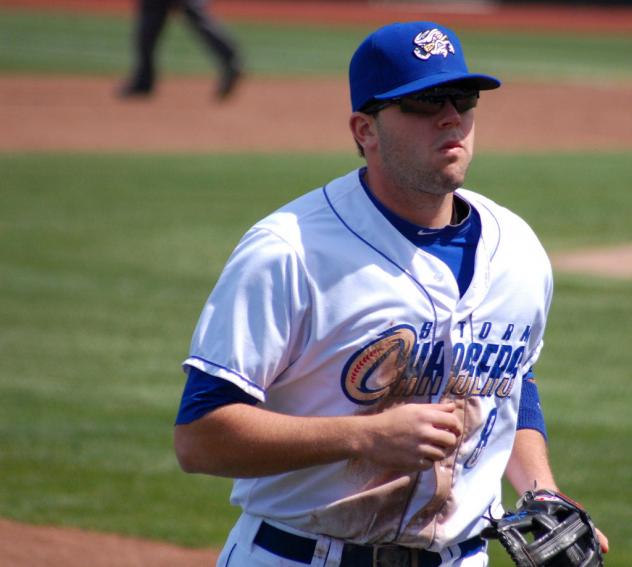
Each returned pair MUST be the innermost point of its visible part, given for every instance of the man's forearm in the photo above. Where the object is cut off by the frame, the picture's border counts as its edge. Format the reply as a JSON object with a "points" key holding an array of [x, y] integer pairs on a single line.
{"points": [[529, 462], [241, 441]]}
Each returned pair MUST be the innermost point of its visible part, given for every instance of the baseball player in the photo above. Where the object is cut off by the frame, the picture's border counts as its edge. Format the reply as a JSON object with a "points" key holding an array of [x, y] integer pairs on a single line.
{"points": [[151, 16], [362, 367]]}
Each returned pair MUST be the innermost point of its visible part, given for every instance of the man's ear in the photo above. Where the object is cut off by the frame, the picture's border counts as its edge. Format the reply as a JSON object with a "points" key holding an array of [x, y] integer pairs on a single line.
{"points": [[364, 130]]}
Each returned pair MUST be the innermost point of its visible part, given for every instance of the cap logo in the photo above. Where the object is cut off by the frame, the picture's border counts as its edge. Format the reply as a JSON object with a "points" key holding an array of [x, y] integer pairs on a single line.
{"points": [[432, 42]]}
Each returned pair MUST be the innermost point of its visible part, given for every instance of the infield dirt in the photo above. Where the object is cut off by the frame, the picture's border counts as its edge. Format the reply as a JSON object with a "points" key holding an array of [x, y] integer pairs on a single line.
{"points": [[53, 113]]}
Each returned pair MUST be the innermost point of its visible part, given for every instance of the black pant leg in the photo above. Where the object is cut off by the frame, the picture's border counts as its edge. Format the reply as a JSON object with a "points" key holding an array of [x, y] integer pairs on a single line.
{"points": [[214, 36], [152, 15]]}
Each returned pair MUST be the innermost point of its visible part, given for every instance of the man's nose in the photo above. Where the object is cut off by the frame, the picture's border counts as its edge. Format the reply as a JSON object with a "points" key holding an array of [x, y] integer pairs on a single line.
{"points": [[449, 115]]}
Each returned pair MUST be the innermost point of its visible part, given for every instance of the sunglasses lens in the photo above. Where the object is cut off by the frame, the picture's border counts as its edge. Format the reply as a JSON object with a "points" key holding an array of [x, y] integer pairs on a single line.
{"points": [[426, 107], [465, 103], [430, 103]]}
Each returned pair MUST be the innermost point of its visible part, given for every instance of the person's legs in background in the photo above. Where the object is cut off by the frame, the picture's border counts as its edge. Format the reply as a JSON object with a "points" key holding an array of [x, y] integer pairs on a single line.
{"points": [[219, 43], [150, 21]]}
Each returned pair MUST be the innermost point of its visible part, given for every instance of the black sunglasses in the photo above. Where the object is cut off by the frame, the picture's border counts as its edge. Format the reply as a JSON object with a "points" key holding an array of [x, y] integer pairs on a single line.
{"points": [[429, 102]]}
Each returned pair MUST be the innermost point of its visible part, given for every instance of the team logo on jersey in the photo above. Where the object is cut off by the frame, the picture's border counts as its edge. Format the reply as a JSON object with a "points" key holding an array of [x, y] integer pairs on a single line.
{"points": [[373, 371], [404, 362], [432, 42]]}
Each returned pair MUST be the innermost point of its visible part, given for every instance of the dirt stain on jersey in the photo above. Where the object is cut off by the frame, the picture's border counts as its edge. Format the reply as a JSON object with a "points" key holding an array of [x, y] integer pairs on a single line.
{"points": [[380, 510], [427, 524]]}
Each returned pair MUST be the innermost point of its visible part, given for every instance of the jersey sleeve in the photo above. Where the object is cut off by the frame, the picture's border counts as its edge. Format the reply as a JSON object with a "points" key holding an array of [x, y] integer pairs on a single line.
{"points": [[530, 414], [203, 393], [253, 326], [536, 338]]}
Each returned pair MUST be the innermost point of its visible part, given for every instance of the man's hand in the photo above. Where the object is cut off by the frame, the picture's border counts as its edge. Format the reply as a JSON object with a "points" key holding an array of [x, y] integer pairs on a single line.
{"points": [[412, 436]]}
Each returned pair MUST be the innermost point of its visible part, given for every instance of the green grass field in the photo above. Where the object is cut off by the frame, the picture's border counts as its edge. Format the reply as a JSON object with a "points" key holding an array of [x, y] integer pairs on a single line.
{"points": [[106, 261]]}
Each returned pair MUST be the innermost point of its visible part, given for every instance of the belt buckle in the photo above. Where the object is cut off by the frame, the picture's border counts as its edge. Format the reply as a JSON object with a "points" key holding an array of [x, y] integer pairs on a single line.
{"points": [[393, 556]]}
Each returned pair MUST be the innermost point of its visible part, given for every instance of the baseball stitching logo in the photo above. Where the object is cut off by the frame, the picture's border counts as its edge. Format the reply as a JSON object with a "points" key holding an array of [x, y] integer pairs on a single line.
{"points": [[378, 366], [432, 42]]}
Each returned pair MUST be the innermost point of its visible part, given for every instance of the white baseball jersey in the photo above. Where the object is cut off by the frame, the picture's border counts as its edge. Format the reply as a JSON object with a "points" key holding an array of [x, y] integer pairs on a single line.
{"points": [[325, 309]]}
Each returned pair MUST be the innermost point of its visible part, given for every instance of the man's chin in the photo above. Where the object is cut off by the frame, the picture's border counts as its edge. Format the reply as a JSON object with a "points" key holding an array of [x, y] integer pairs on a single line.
{"points": [[451, 183], [454, 176]]}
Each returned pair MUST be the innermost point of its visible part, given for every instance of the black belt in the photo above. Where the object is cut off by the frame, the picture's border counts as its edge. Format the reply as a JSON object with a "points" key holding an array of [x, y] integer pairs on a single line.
{"points": [[301, 549]]}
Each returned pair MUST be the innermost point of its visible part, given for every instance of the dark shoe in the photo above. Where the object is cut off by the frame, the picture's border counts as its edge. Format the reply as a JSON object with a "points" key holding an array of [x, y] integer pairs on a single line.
{"points": [[227, 83], [134, 89]]}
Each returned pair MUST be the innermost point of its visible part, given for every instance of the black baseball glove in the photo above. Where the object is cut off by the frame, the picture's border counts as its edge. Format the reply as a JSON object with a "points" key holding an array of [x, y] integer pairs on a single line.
{"points": [[547, 529]]}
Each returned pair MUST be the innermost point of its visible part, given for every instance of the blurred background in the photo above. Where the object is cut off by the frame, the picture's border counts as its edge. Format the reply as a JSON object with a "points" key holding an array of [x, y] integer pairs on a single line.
{"points": [[116, 216]]}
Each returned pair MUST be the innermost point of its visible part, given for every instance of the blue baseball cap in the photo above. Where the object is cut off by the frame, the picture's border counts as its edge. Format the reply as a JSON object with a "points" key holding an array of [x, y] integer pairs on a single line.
{"points": [[403, 58]]}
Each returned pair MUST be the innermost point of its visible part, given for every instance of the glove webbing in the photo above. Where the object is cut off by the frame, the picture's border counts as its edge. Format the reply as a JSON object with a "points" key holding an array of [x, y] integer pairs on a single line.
{"points": [[558, 539]]}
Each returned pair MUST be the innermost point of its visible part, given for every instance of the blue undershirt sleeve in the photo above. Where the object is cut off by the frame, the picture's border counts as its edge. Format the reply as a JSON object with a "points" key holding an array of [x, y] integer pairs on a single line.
{"points": [[204, 393], [530, 414]]}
